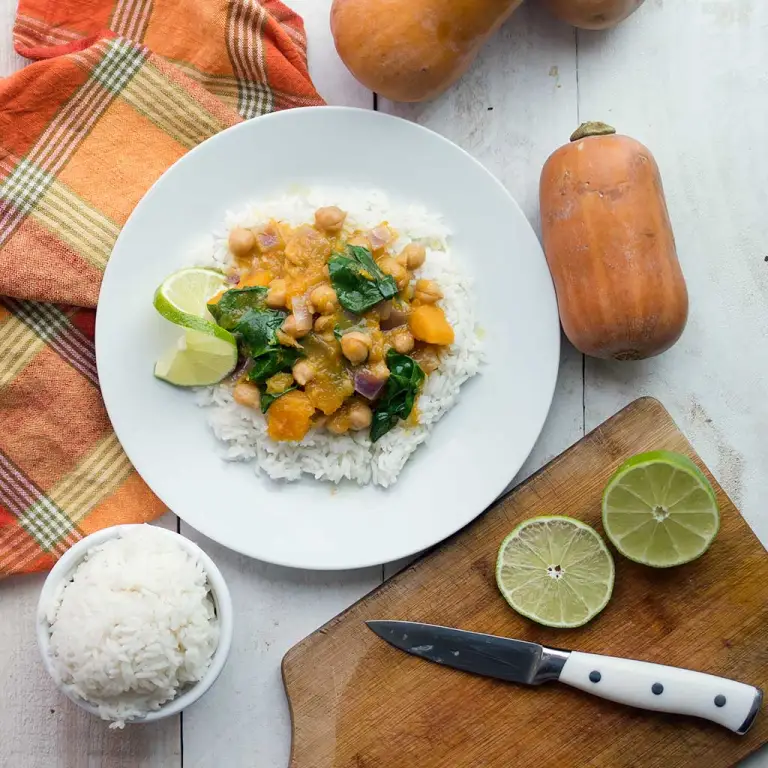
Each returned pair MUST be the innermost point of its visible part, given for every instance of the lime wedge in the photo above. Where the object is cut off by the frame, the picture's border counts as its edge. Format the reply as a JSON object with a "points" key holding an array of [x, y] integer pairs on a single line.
{"points": [[556, 571], [198, 359], [660, 510], [205, 353]]}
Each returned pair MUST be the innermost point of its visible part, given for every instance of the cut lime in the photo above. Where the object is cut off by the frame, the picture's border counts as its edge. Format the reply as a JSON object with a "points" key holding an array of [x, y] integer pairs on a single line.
{"points": [[205, 353], [197, 360], [556, 571], [660, 510]]}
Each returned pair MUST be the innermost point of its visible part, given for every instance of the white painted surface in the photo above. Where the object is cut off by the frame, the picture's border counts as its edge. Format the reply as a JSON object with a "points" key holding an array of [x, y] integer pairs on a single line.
{"points": [[691, 79], [661, 688]]}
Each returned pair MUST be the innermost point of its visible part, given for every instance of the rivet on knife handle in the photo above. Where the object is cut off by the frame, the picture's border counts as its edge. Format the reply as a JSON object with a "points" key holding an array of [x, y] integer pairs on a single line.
{"points": [[664, 689]]}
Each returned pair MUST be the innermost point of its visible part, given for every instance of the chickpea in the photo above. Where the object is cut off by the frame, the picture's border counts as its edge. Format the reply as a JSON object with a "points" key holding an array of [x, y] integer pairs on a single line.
{"points": [[331, 219], [286, 340], [355, 345], [427, 292], [428, 359], [338, 424], [360, 239], [246, 393], [380, 370], [241, 242], [413, 255], [276, 295], [292, 328], [303, 371], [403, 341], [390, 267], [360, 416], [324, 323], [324, 299]]}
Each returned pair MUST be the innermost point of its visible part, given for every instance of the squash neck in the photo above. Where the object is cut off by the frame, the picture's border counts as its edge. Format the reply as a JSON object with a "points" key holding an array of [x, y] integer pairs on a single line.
{"points": [[592, 129]]}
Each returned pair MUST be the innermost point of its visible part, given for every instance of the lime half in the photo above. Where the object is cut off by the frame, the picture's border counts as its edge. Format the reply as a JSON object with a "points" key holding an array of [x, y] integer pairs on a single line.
{"points": [[660, 510], [557, 571], [205, 353]]}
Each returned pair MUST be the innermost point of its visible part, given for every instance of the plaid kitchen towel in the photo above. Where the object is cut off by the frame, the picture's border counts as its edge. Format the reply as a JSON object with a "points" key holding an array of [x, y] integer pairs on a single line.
{"points": [[122, 89]]}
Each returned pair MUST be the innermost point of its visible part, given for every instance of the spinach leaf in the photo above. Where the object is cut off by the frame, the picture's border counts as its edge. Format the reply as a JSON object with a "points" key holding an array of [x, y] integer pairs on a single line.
{"points": [[403, 385], [243, 312], [339, 330], [230, 308], [256, 330], [267, 400], [358, 280], [274, 360]]}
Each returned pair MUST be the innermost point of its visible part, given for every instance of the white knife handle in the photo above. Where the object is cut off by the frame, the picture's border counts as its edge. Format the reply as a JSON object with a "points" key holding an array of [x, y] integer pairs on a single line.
{"points": [[664, 689]]}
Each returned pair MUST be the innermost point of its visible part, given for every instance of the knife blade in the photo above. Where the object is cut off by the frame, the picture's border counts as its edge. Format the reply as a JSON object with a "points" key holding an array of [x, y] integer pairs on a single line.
{"points": [[729, 703]]}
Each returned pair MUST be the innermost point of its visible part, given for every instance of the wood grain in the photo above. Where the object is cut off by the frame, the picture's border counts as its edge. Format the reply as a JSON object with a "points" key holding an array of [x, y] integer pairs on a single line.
{"points": [[356, 702]]}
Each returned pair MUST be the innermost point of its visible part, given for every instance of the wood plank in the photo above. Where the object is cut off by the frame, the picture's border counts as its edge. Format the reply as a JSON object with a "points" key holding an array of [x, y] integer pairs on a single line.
{"points": [[244, 721], [40, 727], [706, 126], [690, 80], [357, 701], [509, 111], [331, 78]]}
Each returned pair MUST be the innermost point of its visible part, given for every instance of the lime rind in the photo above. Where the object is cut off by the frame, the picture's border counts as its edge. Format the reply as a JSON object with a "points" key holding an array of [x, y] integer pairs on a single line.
{"points": [[660, 510], [174, 314], [537, 547], [206, 352]]}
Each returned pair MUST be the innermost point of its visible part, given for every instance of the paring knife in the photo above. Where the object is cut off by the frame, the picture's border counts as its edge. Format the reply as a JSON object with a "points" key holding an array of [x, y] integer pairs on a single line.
{"points": [[636, 683]]}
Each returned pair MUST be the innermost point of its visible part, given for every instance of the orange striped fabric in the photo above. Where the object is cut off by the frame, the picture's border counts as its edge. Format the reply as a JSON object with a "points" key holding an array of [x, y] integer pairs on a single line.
{"points": [[121, 90]]}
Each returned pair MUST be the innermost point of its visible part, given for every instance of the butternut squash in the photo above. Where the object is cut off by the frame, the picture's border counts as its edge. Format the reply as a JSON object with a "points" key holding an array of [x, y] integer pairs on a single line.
{"points": [[592, 14], [412, 50], [427, 323], [290, 417], [610, 247]]}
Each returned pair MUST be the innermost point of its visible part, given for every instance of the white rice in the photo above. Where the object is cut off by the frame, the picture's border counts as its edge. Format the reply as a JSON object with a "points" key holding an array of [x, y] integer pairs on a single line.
{"points": [[353, 457], [134, 626]]}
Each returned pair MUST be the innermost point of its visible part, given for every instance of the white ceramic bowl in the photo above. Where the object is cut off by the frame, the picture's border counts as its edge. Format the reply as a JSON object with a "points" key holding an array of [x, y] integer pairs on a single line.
{"points": [[62, 572]]}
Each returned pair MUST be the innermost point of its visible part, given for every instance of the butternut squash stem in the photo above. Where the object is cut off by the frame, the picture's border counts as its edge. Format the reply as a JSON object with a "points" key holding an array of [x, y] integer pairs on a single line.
{"points": [[592, 129]]}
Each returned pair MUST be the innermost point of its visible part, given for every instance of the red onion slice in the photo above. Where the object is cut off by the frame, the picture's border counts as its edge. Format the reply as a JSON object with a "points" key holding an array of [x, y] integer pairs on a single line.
{"points": [[368, 385], [397, 318], [380, 237], [300, 306]]}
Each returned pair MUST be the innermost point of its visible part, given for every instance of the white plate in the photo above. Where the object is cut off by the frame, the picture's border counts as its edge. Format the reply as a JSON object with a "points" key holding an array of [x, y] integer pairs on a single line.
{"points": [[472, 454]]}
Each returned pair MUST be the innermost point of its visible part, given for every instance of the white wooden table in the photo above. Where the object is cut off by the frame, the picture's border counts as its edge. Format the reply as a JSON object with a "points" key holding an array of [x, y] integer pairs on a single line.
{"points": [[690, 79]]}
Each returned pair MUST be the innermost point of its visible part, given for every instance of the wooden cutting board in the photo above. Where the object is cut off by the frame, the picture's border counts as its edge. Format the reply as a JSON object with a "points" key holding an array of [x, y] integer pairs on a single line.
{"points": [[356, 702]]}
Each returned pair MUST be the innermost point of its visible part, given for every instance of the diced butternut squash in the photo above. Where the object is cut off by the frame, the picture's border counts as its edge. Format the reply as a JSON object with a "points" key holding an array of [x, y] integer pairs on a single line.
{"points": [[262, 277], [427, 323], [290, 417]]}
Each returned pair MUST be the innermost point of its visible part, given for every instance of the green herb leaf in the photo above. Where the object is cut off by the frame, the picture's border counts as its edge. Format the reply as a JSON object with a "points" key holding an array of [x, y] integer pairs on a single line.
{"points": [[243, 312], [267, 400], [230, 308], [403, 385], [256, 330], [358, 280], [271, 361]]}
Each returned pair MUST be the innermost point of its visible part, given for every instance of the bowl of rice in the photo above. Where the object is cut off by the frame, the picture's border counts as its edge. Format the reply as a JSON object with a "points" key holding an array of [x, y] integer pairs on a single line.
{"points": [[134, 623]]}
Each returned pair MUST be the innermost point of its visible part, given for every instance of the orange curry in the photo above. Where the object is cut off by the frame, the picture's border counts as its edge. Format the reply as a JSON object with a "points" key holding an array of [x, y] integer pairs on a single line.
{"points": [[344, 310]]}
